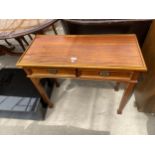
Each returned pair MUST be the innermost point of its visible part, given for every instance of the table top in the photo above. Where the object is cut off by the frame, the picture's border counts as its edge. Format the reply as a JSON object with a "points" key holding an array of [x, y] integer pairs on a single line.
{"points": [[10, 28], [84, 51]]}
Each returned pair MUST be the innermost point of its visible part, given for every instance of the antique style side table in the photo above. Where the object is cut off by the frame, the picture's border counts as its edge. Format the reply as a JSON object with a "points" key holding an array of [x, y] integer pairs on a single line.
{"points": [[86, 57]]}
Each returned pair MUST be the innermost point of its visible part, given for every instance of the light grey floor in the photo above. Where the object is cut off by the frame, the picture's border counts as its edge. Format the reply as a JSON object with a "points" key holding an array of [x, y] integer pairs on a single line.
{"points": [[81, 107]]}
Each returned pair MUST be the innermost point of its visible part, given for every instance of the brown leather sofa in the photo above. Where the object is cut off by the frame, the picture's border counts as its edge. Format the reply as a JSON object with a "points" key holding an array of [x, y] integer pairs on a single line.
{"points": [[107, 26]]}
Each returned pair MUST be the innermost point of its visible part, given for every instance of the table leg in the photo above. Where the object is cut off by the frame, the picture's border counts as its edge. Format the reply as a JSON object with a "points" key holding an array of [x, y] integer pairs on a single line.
{"points": [[126, 96], [56, 82], [30, 36], [41, 90], [8, 42], [20, 43], [128, 92], [117, 86], [25, 41], [54, 29]]}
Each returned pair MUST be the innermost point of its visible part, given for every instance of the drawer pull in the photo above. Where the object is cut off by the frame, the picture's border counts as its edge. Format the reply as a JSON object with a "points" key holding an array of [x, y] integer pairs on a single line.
{"points": [[104, 73], [53, 71]]}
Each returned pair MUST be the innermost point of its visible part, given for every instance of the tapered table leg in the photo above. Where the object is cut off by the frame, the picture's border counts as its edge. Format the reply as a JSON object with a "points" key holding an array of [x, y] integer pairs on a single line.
{"points": [[126, 96], [117, 86], [42, 91], [56, 83], [128, 92]]}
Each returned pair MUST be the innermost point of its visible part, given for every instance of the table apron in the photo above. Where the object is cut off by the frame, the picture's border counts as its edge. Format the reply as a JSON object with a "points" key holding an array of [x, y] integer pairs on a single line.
{"points": [[126, 80]]}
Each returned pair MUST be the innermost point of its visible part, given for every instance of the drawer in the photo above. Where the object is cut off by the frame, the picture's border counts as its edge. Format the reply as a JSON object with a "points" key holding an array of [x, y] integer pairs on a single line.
{"points": [[54, 72], [107, 74]]}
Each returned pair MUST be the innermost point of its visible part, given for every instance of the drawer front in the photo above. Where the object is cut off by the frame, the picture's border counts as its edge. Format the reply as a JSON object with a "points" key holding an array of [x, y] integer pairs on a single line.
{"points": [[104, 73], [54, 71], [96, 74]]}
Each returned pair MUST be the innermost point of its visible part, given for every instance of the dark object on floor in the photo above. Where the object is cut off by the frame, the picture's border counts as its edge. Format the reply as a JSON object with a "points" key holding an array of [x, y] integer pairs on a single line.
{"points": [[18, 96], [107, 26]]}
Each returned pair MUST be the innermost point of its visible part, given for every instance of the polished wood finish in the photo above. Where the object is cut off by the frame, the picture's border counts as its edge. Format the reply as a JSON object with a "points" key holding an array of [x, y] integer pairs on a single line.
{"points": [[86, 57], [37, 84], [91, 51], [39, 87], [145, 90], [127, 93]]}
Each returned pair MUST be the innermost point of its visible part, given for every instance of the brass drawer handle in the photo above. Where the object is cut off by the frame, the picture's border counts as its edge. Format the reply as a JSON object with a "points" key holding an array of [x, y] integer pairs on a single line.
{"points": [[104, 73], [52, 70]]}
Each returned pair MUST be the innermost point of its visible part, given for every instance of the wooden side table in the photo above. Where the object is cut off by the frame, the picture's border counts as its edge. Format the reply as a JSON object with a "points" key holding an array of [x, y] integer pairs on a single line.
{"points": [[86, 57]]}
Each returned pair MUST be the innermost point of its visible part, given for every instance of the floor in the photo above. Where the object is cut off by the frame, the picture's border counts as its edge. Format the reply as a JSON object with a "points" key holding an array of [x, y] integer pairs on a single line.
{"points": [[81, 107]]}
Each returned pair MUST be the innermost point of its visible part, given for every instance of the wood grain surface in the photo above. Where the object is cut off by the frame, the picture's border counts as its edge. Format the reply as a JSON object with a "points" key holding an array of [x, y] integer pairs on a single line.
{"points": [[85, 51]]}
